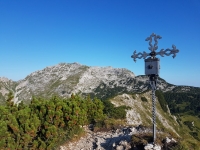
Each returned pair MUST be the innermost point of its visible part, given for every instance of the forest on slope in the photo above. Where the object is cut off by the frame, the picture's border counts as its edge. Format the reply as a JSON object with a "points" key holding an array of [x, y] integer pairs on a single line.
{"points": [[186, 107]]}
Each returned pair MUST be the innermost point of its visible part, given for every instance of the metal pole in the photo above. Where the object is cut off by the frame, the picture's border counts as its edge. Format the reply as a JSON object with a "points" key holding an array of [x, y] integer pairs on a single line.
{"points": [[153, 81], [154, 115]]}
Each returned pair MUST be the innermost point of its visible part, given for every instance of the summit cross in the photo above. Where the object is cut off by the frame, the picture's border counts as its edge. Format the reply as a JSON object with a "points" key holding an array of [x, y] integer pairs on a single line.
{"points": [[154, 47], [152, 69]]}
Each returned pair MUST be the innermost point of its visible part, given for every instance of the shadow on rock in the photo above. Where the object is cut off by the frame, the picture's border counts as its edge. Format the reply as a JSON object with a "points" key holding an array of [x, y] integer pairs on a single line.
{"points": [[113, 142]]}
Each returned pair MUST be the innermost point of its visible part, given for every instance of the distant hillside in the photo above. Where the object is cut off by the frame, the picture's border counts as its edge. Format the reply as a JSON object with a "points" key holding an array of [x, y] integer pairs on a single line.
{"points": [[67, 78]]}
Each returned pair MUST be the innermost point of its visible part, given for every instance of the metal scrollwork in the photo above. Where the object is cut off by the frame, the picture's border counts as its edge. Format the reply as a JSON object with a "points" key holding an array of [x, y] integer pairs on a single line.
{"points": [[168, 52], [139, 55], [154, 47], [156, 37]]}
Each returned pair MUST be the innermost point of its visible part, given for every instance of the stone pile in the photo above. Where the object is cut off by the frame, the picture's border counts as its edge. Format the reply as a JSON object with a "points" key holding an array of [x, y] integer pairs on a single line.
{"points": [[118, 139]]}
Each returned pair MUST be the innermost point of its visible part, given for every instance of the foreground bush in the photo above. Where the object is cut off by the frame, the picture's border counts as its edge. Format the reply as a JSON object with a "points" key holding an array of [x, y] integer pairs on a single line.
{"points": [[45, 123]]}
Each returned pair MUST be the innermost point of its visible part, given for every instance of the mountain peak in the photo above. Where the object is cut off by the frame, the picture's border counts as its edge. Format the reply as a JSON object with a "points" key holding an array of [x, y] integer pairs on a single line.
{"points": [[66, 78], [4, 79]]}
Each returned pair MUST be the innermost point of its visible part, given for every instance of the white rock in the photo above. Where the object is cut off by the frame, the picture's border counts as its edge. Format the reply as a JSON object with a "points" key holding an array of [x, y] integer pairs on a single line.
{"points": [[120, 147], [148, 147], [168, 140], [63, 148], [151, 147], [174, 140], [157, 147]]}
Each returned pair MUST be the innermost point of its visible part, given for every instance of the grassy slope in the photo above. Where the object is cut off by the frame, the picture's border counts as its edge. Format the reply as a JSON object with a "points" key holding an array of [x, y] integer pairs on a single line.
{"points": [[165, 121]]}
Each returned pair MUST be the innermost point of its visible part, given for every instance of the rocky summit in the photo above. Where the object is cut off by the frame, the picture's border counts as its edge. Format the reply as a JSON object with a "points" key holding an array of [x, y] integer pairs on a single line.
{"points": [[67, 78]]}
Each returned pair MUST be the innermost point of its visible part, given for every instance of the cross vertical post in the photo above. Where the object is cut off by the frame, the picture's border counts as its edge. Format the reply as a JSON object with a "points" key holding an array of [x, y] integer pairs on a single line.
{"points": [[153, 81], [152, 69]]}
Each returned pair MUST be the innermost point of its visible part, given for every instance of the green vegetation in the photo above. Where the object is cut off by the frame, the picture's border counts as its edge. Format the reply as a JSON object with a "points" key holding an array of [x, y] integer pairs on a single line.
{"points": [[46, 123], [161, 100], [114, 112], [144, 99], [104, 92], [183, 103], [139, 141], [186, 107]]}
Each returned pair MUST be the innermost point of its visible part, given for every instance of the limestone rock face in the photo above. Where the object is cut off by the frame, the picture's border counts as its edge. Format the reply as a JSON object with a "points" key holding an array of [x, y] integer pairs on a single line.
{"points": [[67, 78]]}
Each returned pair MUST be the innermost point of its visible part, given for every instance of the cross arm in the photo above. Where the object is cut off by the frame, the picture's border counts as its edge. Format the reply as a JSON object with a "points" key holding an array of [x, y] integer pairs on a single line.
{"points": [[139, 55], [168, 52]]}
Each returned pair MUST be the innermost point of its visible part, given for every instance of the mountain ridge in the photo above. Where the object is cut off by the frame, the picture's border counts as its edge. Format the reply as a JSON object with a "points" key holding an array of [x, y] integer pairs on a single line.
{"points": [[64, 79], [118, 85]]}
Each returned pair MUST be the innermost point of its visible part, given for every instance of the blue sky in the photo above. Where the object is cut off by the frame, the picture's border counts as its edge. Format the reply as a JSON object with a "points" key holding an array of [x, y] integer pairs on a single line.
{"points": [[35, 34]]}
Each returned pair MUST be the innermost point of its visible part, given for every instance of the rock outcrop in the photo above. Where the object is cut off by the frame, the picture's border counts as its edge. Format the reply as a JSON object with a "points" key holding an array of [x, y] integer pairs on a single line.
{"points": [[67, 78], [119, 139]]}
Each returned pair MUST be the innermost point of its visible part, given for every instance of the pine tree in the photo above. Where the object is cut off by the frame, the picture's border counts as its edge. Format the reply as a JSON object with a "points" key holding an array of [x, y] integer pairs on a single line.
{"points": [[9, 99]]}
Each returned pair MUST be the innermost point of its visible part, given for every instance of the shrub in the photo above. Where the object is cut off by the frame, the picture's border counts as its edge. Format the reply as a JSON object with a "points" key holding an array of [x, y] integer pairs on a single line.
{"points": [[45, 123], [189, 124], [144, 99], [114, 112], [195, 135], [139, 140], [161, 100]]}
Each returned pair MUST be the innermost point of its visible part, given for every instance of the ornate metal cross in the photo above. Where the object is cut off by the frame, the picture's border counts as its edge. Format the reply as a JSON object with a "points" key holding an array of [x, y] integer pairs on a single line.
{"points": [[152, 67], [153, 49]]}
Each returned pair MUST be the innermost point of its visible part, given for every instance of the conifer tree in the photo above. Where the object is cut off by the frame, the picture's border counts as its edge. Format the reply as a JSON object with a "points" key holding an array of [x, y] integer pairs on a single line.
{"points": [[9, 99]]}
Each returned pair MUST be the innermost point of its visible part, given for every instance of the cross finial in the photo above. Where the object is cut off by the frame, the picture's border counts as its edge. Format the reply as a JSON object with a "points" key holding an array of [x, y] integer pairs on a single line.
{"points": [[156, 37]]}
